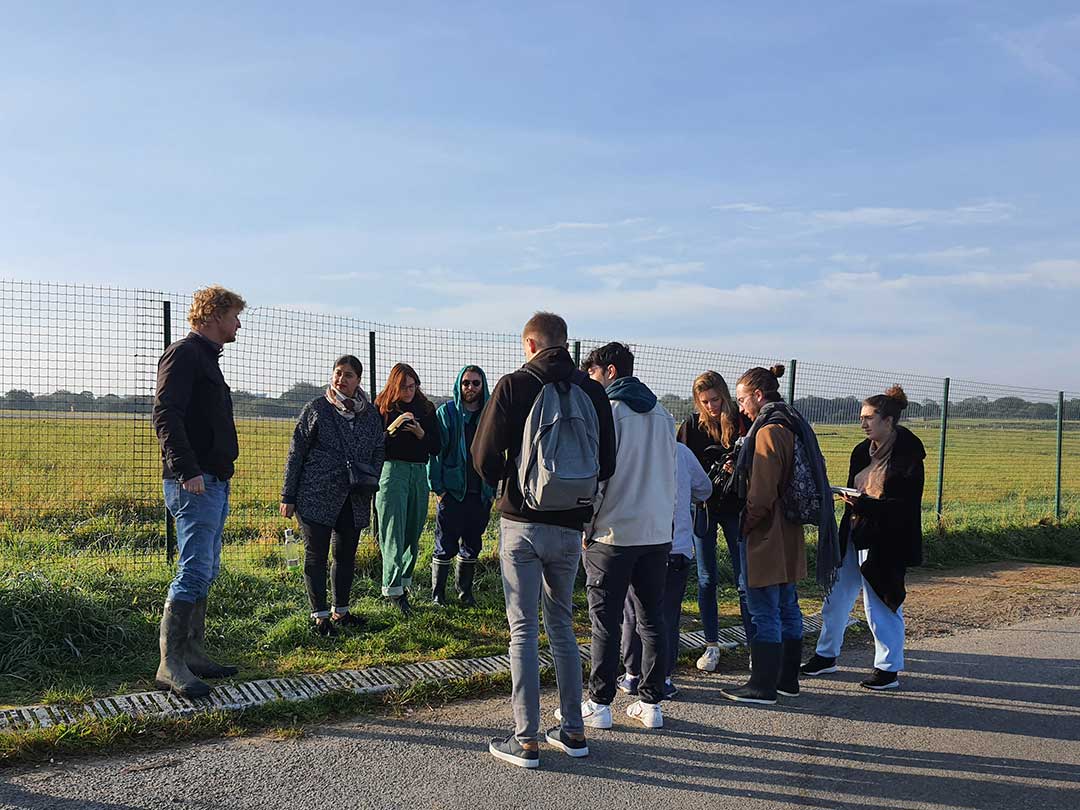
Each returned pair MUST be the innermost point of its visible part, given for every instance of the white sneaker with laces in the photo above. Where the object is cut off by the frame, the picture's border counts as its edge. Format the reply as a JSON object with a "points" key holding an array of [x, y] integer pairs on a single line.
{"points": [[710, 659], [648, 714], [594, 715]]}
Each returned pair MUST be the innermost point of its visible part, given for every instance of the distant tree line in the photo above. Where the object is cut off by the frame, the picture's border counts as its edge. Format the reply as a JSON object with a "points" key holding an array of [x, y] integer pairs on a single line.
{"points": [[245, 405]]}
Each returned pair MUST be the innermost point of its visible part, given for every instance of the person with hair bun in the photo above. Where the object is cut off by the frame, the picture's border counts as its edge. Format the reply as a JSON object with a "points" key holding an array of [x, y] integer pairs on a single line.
{"points": [[772, 546], [880, 535]]}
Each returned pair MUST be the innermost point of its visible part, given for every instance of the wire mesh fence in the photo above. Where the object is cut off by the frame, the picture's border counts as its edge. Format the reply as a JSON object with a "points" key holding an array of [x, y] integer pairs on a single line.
{"points": [[82, 474]]}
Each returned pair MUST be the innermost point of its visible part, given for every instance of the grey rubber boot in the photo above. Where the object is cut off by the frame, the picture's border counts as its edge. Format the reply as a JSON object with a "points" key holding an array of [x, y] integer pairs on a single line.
{"points": [[466, 570], [440, 572], [197, 660], [173, 673]]}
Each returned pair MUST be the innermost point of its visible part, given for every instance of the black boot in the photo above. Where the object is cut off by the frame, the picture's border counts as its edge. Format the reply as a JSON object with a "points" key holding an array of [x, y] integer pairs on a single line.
{"points": [[761, 688], [401, 603], [466, 570], [790, 659], [173, 673], [197, 660], [440, 571]]}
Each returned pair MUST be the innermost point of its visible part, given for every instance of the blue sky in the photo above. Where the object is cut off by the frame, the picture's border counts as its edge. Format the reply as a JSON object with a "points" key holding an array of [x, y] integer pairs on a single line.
{"points": [[892, 185]]}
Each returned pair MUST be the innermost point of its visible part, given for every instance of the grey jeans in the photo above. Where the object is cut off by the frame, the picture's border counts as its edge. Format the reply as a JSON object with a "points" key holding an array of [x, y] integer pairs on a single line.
{"points": [[541, 561]]}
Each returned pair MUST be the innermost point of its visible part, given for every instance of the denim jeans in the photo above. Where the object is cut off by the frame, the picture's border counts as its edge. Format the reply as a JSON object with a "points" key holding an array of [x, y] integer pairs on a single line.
{"points": [[200, 522], [541, 561], [886, 625], [611, 571], [678, 571], [774, 609], [707, 569]]}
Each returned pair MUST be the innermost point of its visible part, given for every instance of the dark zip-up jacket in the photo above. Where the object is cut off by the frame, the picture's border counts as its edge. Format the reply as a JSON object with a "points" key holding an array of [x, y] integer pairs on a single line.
{"points": [[890, 527], [497, 443], [193, 413], [706, 451]]}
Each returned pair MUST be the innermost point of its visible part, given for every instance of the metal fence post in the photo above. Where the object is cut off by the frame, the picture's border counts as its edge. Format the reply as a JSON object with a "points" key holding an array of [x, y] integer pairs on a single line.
{"points": [[791, 383], [170, 522], [577, 354], [372, 378], [941, 449], [1057, 476]]}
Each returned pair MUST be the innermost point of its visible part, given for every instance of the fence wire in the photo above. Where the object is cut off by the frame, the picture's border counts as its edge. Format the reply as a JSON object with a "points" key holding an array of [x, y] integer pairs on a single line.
{"points": [[82, 475]]}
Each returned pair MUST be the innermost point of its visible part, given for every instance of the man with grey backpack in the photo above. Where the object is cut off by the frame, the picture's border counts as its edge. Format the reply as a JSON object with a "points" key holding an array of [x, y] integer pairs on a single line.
{"points": [[546, 439]]}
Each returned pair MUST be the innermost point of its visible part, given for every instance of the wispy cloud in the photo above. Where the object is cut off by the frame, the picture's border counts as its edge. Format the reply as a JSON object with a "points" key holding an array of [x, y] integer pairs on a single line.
{"points": [[353, 275], [744, 208], [557, 227], [947, 256], [1048, 50], [980, 214], [644, 269], [1052, 274]]}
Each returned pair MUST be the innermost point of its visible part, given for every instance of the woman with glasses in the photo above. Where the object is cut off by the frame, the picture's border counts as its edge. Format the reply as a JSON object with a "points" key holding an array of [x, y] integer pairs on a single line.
{"points": [[412, 437]]}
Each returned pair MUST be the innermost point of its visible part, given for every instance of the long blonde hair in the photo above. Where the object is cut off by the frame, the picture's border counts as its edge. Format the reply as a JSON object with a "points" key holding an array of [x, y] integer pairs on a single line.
{"points": [[725, 429]]}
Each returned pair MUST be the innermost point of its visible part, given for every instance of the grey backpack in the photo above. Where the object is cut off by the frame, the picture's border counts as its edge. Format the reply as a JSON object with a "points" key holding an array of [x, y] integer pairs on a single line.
{"points": [[559, 463]]}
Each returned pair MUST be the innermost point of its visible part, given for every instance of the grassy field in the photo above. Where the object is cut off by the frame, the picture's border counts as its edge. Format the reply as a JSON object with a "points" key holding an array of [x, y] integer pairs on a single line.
{"points": [[82, 573]]}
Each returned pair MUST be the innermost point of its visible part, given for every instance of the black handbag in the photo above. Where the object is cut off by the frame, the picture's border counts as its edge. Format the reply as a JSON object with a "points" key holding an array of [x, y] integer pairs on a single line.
{"points": [[361, 477]]}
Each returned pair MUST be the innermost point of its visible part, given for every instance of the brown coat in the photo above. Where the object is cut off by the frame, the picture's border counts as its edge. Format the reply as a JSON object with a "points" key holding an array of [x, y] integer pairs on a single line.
{"points": [[775, 548]]}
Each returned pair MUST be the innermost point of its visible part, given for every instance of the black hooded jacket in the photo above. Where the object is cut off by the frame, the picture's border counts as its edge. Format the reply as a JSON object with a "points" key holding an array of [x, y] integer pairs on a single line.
{"points": [[890, 527], [497, 443]]}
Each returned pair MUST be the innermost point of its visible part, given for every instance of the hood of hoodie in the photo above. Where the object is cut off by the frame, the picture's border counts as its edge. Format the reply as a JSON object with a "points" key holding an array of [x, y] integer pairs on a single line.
{"points": [[457, 394], [633, 392]]}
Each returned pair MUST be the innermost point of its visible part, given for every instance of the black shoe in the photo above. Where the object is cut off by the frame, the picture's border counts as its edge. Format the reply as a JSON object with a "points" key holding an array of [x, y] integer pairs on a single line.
{"points": [[324, 627], [880, 680], [510, 750], [790, 656], [440, 571], [818, 665], [560, 739], [348, 620], [761, 688], [401, 603], [670, 690], [464, 575]]}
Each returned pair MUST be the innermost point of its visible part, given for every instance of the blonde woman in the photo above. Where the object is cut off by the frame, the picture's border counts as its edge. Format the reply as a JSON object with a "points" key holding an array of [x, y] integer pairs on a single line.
{"points": [[711, 433]]}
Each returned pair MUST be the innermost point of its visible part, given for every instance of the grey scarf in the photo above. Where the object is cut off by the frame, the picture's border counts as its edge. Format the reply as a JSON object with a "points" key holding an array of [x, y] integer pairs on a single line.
{"points": [[828, 544]]}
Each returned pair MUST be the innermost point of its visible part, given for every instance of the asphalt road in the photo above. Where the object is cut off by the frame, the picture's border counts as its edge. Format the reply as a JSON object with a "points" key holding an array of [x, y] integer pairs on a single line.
{"points": [[984, 719]]}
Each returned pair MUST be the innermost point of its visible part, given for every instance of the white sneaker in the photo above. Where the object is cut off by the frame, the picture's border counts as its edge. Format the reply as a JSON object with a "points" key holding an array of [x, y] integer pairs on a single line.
{"points": [[648, 713], [594, 715], [710, 659]]}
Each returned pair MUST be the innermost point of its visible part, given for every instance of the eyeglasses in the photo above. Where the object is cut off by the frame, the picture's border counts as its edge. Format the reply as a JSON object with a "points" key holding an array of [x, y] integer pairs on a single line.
{"points": [[471, 383]]}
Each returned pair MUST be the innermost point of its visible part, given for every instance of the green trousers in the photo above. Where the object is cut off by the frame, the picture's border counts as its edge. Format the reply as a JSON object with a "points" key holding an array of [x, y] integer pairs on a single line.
{"points": [[402, 501]]}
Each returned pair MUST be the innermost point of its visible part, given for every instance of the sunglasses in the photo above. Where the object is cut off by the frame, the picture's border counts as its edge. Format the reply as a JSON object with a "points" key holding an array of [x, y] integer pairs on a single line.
{"points": [[471, 383]]}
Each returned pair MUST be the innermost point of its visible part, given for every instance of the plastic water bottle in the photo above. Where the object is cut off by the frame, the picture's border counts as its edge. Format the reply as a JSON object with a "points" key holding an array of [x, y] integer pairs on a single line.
{"points": [[292, 551]]}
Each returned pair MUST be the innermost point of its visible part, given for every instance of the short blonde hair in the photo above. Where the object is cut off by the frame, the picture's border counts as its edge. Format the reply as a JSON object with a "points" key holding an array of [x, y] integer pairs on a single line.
{"points": [[210, 302]]}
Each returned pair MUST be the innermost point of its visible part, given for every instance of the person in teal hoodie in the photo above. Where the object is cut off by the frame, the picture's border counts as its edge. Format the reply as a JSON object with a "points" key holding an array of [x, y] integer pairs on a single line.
{"points": [[464, 499]]}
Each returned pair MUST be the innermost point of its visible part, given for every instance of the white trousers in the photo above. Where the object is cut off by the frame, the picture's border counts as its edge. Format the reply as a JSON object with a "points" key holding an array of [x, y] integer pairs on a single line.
{"points": [[886, 625]]}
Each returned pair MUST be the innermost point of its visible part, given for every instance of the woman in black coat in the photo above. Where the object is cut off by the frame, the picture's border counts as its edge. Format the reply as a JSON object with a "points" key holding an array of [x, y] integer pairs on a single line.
{"points": [[880, 537], [334, 463]]}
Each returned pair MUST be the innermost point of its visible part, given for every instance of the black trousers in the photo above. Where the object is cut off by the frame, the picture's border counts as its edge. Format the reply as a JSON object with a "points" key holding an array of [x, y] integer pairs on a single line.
{"points": [[678, 571], [341, 541], [609, 573], [459, 527]]}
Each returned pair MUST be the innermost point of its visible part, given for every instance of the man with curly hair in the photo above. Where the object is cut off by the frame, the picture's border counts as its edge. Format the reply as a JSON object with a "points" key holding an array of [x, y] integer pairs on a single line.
{"points": [[193, 419]]}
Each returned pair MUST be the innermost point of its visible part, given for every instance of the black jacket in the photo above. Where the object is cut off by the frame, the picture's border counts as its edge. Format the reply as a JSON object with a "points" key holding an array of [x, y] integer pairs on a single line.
{"points": [[706, 451], [497, 443], [193, 414], [403, 445], [890, 527]]}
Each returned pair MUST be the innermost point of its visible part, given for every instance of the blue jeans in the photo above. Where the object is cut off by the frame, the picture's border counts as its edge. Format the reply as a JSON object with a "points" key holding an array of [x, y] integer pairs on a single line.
{"points": [[200, 522], [774, 609], [705, 554], [886, 625]]}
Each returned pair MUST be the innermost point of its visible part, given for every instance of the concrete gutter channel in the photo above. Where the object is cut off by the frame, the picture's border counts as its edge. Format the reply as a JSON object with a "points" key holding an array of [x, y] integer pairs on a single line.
{"points": [[248, 694]]}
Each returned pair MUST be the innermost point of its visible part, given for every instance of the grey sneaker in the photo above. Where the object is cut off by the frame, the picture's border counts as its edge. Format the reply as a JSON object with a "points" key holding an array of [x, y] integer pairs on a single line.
{"points": [[510, 750], [560, 739]]}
